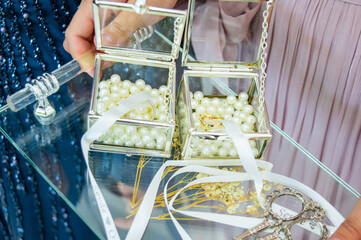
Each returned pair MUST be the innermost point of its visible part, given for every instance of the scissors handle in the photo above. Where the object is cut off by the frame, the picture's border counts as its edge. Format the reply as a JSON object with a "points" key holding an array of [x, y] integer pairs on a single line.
{"points": [[271, 236], [256, 229]]}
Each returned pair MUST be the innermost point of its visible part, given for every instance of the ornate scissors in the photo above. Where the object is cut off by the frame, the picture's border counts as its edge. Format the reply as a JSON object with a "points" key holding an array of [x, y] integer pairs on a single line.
{"points": [[311, 213]]}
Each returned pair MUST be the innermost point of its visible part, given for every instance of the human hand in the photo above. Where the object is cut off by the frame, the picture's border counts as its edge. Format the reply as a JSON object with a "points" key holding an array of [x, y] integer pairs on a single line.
{"points": [[79, 36], [350, 229]]}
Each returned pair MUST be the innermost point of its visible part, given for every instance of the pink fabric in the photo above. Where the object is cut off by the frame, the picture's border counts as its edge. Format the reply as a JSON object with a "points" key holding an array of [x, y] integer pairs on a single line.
{"points": [[313, 89]]}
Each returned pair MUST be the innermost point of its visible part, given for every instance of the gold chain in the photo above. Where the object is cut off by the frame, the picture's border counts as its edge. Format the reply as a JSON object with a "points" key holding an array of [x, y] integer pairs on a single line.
{"points": [[263, 64]]}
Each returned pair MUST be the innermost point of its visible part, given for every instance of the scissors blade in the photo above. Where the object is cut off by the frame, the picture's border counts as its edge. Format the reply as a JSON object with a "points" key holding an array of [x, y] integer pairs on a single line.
{"points": [[260, 227]]}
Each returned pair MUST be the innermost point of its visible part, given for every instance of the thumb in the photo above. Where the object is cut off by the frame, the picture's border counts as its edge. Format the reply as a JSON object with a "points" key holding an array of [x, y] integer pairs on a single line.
{"points": [[350, 229]]}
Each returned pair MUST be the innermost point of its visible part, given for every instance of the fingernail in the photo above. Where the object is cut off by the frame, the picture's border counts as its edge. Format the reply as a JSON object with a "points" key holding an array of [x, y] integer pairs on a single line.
{"points": [[335, 237]]}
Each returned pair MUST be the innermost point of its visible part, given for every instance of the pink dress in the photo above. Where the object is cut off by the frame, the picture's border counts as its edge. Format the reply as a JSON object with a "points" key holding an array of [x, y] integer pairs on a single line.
{"points": [[313, 88]]}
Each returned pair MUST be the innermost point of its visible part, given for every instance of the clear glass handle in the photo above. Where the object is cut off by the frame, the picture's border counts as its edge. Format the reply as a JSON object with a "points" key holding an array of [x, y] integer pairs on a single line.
{"points": [[48, 84]]}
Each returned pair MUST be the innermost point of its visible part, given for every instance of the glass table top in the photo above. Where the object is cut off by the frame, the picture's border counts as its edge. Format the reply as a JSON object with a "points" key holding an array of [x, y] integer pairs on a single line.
{"points": [[55, 152]]}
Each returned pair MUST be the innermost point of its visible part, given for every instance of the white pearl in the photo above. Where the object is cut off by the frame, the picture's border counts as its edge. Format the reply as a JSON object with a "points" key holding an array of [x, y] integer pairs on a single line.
{"points": [[233, 152], [115, 96], [134, 89], [117, 142], [118, 130], [160, 140], [124, 138], [246, 128], [229, 110], [101, 107], [163, 89], [126, 84], [243, 96], [154, 132], [147, 116], [135, 138], [248, 109], [146, 139], [194, 103], [162, 117], [130, 130], [201, 110], [163, 108], [227, 116], [237, 114], [115, 89], [220, 110], [139, 116], [123, 93], [195, 116], [215, 101], [223, 152], [103, 92], [198, 95], [238, 105], [206, 101], [132, 115], [140, 83], [154, 92], [242, 116], [143, 131], [251, 119], [129, 144], [139, 144], [231, 99], [147, 88], [206, 151], [227, 144], [108, 140], [115, 79], [106, 99], [104, 84], [159, 146], [214, 148], [211, 109], [237, 120]]}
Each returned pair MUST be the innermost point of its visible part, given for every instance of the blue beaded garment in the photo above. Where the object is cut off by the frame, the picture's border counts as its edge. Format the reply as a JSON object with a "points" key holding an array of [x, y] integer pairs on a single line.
{"points": [[31, 35]]}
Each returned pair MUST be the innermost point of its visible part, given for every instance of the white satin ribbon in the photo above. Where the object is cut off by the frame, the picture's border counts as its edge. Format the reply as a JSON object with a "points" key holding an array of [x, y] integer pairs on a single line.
{"points": [[100, 127], [145, 209], [245, 154]]}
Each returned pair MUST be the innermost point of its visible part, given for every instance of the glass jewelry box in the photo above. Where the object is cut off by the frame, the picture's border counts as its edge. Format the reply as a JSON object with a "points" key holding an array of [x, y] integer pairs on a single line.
{"points": [[225, 77], [141, 59]]}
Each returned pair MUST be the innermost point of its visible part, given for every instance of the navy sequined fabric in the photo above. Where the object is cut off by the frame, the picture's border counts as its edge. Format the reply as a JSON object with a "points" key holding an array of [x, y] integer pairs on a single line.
{"points": [[31, 37]]}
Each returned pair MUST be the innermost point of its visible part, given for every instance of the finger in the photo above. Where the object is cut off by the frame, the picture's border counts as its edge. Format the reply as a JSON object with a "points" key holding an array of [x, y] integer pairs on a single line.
{"points": [[117, 33], [78, 35], [350, 229]]}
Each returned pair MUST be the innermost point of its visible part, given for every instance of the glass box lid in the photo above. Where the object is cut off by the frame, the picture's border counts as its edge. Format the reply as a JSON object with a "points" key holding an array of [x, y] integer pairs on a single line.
{"points": [[138, 30], [226, 34]]}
